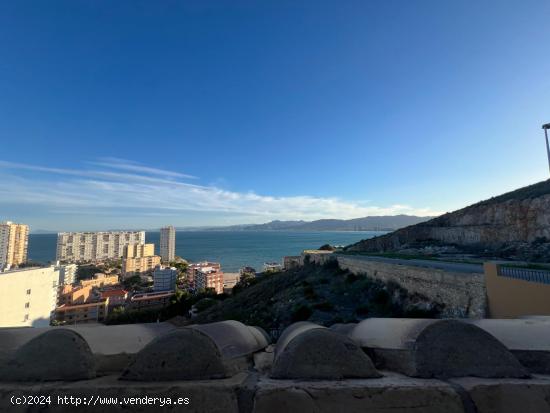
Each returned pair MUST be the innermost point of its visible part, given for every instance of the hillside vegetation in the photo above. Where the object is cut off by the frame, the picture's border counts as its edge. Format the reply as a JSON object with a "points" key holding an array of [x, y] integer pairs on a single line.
{"points": [[322, 294]]}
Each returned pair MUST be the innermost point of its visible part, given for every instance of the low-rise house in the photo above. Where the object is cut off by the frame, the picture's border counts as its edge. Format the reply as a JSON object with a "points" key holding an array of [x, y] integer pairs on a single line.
{"points": [[155, 300], [209, 279], [69, 295], [93, 312], [195, 267], [230, 280], [100, 280], [272, 267], [117, 297]]}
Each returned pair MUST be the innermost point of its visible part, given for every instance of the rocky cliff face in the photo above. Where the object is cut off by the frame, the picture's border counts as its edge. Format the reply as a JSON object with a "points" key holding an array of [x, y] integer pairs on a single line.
{"points": [[513, 219]]}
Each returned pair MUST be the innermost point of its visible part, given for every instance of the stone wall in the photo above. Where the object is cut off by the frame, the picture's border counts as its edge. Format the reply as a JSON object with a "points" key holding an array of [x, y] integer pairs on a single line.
{"points": [[463, 294]]}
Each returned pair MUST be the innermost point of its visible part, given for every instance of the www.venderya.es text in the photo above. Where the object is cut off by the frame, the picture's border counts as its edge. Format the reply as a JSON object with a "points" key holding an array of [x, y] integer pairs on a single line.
{"points": [[42, 400]]}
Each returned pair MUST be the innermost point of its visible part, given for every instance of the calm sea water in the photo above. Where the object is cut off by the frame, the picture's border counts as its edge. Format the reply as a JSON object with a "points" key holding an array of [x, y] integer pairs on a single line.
{"points": [[232, 249]]}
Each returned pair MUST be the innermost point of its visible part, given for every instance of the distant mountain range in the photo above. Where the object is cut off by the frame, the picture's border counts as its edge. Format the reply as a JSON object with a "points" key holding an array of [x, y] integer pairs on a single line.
{"points": [[375, 223]]}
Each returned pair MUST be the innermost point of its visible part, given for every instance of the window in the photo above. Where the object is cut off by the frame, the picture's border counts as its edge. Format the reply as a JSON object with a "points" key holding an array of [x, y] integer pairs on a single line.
{"points": [[26, 317], [27, 305], [29, 291]]}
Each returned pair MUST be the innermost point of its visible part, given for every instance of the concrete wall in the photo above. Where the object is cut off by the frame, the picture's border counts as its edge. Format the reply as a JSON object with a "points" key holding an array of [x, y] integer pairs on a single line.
{"points": [[463, 294], [511, 297], [253, 389]]}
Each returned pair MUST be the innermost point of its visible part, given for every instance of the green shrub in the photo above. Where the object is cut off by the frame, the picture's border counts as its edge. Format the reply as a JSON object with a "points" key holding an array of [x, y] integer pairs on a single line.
{"points": [[309, 293], [351, 278], [363, 310], [324, 306], [331, 264], [301, 313]]}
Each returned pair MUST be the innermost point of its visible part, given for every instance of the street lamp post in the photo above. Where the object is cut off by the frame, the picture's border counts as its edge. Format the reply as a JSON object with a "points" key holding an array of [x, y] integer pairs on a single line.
{"points": [[546, 126]]}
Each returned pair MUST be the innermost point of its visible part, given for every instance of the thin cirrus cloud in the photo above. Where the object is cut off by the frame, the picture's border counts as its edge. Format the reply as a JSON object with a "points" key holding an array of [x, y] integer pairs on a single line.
{"points": [[112, 186]]}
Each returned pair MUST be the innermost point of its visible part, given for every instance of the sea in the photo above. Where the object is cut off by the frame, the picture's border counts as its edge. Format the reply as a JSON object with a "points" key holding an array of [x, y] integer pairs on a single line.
{"points": [[233, 249]]}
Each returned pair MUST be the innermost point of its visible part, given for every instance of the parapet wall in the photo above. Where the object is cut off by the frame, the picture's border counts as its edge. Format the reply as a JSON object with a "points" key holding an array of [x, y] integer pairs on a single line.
{"points": [[379, 365], [463, 294]]}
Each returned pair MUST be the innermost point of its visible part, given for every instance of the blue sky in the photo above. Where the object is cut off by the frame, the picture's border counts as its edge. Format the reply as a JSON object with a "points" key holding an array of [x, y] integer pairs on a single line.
{"points": [[134, 114]]}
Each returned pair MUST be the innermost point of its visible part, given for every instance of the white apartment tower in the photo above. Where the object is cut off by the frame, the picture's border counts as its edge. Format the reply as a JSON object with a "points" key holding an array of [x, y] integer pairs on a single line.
{"points": [[168, 243], [14, 240], [29, 296], [95, 246]]}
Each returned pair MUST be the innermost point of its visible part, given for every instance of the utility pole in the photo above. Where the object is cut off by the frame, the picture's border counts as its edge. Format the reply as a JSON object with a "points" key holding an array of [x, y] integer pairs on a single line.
{"points": [[546, 127]]}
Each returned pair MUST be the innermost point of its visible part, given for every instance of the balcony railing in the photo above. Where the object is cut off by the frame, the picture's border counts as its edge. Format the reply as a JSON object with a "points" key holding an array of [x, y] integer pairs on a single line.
{"points": [[536, 276]]}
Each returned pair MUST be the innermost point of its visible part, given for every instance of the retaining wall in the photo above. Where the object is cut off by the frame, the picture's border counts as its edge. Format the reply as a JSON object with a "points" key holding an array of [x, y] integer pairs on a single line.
{"points": [[463, 294]]}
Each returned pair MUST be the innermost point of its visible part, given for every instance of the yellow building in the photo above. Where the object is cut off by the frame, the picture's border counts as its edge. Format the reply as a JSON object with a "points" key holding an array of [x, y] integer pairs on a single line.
{"points": [[100, 280], [139, 250], [14, 240], [70, 295], [139, 259], [139, 265], [515, 292]]}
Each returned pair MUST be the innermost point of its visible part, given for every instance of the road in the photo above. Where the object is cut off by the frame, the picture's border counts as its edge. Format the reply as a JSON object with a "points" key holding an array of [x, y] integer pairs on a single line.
{"points": [[441, 265]]}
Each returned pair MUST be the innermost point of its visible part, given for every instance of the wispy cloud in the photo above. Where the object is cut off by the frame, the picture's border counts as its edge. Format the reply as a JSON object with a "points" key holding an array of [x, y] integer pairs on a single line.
{"points": [[112, 186]]}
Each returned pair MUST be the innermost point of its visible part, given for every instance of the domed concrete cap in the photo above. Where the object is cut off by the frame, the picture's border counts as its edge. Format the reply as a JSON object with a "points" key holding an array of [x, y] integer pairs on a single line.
{"points": [[233, 338], [292, 331], [343, 328], [454, 349], [182, 354], [319, 353], [527, 338], [261, 336], [56, 355], [436, 348]]}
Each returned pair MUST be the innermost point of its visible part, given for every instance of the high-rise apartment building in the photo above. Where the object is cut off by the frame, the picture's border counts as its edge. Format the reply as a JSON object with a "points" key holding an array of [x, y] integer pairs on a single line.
{"points": [[67, 274], [14, 239], [168, 243], [95, 246], [28, 296], [164, 278]]}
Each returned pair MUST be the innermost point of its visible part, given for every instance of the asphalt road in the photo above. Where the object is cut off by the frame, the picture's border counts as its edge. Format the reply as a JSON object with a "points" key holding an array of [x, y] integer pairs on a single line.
{"points": [[441, 265]]}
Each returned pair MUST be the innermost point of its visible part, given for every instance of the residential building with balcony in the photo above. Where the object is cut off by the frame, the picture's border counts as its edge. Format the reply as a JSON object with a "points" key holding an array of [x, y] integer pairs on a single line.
{"points": [[29, 296], [95, 246], [168, 244], [100, 280], [117, 297], [69, 295], [14, 239], [209, 279], [92, 312], [193, 268], [155, 300], [139, 265], [138, 250], [164, 278]]}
